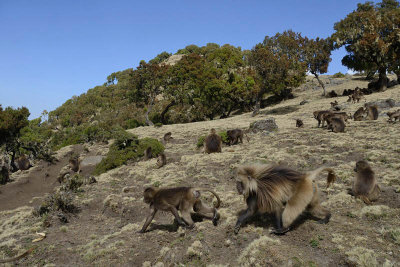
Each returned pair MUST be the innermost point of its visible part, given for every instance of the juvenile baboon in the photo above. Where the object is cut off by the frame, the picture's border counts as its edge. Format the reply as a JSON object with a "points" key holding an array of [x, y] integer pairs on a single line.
{"points": [[365, 185], [167, 137], [279, 190], [319, 116], [336, 125], [184, 199], [299, 123], [235, 136], [75, 164], [213, 142], [148, 153], [334, 104], [350, 98], [372, 112], [23, 163], [394, 115], [359, 114], [161, 160], [331, 178]]}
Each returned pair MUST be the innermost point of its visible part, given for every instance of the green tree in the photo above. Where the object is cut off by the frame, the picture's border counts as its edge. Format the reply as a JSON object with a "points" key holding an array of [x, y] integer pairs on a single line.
{"points": [[278, 63], [11, 123], [317, 55], [370, 36]]}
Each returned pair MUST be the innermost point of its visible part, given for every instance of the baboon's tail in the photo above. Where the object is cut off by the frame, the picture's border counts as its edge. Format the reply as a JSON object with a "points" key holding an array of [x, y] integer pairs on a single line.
{"points": [[18, 257], [331, 174], [212, 192]]}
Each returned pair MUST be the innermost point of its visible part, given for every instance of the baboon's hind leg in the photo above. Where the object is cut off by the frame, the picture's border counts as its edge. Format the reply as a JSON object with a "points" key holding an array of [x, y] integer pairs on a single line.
{"points": [[202, 210]]}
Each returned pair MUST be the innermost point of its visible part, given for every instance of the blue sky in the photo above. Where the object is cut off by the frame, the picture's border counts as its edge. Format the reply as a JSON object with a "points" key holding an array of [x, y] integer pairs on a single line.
{"points": [[51, 50]]}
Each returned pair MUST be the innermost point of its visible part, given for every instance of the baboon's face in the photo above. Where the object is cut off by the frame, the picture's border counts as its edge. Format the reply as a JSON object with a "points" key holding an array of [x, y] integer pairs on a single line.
{"points": [[239, 187], [148, 195], [361, 165]]}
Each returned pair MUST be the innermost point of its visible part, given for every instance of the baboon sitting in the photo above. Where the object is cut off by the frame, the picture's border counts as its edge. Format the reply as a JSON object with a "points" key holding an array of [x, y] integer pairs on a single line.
{"points": [[336, 125], [299, 123], [394, 115], [167, 137], [365, 185], [23, 163], [372, 112], [212, 143]]}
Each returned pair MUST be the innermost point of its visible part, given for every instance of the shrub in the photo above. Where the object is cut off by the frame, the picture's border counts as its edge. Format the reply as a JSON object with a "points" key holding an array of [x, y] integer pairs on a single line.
{"points": [[73, 183], [338, 75], [59, 201], [132, 123], [127, 147]]}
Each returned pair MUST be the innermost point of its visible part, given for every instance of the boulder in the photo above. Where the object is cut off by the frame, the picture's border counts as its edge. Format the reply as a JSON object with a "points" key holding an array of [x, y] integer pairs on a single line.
{"points": [[266, 125]]}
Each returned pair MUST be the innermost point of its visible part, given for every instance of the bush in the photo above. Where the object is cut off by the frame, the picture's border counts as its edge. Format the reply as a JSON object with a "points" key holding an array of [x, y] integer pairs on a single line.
{"points": [[338, 75], [73, 183], [132, 123], [127, 147], [59, 201], [223, 135]]}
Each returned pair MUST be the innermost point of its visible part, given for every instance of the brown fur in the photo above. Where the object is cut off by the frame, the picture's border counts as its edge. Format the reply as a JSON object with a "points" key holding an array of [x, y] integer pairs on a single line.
{"points": [[394, 115], [167, 137], [359, 114], [319, 116], [336, 125], [148, 153], [75, 164], [372, 112], [365, 185], [161, 160], [331, 178], [273, 186], [235, 136], [299, 123], [184, 199], [334, 104], [23, 163], [213, 143]]}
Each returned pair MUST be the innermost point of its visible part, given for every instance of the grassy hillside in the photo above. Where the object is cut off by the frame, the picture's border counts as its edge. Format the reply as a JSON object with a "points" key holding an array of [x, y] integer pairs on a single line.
{"points": [[104, 231]]}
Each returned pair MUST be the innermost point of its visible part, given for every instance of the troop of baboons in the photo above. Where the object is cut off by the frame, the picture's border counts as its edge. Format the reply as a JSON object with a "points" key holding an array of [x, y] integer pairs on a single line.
{"points": [[274, 189]]}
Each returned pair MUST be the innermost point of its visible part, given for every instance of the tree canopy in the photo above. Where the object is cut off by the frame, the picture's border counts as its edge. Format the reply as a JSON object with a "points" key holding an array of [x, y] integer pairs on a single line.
{"points": [[370, 35]]}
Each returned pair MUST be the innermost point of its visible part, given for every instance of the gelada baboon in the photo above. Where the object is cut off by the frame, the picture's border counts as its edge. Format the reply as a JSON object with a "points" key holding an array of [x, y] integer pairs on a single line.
{"points": [[372, 112], [167, 137], [359, 114], [148, 153], [340, 115], [75, 164], [161, 160], [279, 190], [213, 142], [23, 163], [299, 123], [336, 125], [235, 136], [319, 116], [365, 185], [394, 115], [184, 199], [334, 104]]}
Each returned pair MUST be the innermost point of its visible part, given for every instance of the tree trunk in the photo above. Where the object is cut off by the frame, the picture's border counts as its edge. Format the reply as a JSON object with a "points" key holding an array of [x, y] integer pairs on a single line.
{"points": [[370, 75], [166, 110], [383, 81], [320, 83], [258, 103], [148, 121], [14, 167]]}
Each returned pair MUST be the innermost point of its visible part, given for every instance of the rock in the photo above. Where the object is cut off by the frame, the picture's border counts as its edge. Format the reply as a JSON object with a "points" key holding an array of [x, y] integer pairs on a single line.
{"points": [[267, 125], [304, 102], [382, 104], [91, 160]]}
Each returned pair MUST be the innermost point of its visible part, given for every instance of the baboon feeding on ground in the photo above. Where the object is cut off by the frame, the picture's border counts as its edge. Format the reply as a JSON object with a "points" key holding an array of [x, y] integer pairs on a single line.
{"points": [[372, 112], [212, 143], [359, 114], [394, 115], [319, 116], [161, 160], [279, 190], [184, 199], [299, 123], [167, 137], [148, 153], [365, 185], [235, 136], [336, 125]]}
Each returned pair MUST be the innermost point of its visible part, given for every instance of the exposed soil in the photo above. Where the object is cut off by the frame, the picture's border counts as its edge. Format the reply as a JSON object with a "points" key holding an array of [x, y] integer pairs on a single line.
{"points": [[104, 232]]}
